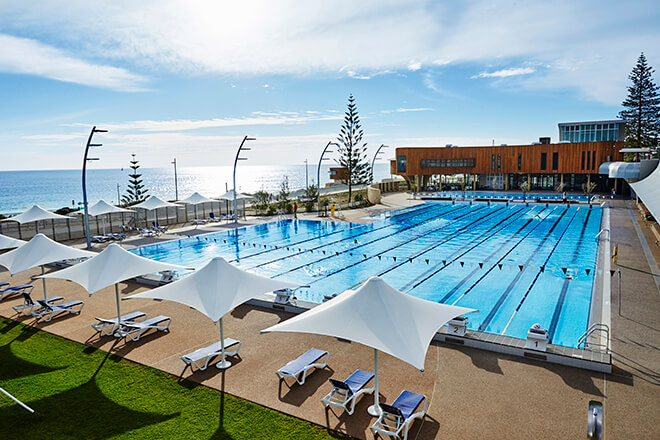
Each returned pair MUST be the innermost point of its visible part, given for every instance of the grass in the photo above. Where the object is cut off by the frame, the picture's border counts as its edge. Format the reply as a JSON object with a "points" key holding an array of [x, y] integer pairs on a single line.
{"points": [[80, 392]]}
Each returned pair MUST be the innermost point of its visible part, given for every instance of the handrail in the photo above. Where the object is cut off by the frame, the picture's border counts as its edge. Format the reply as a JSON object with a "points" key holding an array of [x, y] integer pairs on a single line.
{"points": [[597, 327], [601, 231]]}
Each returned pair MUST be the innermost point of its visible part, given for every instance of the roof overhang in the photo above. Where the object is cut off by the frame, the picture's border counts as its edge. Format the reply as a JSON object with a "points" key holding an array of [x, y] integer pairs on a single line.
{"points": [[621, 170]]}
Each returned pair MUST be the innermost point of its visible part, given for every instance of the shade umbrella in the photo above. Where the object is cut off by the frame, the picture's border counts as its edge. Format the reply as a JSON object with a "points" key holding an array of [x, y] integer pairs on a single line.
{"points": [[10, 242], [196, 199], [229, 195], [39, 251], [102, 207], [216, 289], [378, 316], [35, 214], [152, 204], [113, 265]]}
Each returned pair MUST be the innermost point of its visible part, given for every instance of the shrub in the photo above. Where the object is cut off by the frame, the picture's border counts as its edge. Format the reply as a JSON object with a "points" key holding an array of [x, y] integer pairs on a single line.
{"points": [[358, 197], [271, 210], [309, 206], [288, 208]]}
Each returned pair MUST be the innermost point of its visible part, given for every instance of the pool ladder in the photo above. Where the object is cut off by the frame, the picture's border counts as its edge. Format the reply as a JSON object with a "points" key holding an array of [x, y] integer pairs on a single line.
{"points": [[601, 231], [600, 328]]}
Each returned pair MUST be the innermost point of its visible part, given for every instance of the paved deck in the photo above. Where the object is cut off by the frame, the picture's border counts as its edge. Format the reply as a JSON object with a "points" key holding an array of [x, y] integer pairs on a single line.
{"points": [[473, 393]]}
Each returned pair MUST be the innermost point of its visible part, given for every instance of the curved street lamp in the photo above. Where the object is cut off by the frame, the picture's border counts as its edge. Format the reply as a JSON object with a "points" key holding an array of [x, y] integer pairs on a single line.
{"points": [[374, 159], [240, 148], [318, 174], [84, 179]]}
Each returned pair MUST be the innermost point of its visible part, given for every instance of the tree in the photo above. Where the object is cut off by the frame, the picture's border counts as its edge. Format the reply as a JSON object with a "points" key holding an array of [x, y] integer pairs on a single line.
{"points": [[283, 196], [588, 188], [642, 108], [353, 153], [135, 193], [261, 203], [525, 187]]}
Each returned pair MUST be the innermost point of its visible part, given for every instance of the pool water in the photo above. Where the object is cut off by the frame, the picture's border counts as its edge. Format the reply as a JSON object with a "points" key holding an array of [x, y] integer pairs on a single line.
{"points": [[517, 264], [469, 194]]}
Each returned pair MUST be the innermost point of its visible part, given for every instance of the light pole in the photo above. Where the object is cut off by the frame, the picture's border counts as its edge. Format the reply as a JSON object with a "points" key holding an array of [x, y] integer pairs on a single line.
{"points": [[374, 159], [84, 176], [306, 178], [176, 182], [318, 175], [240, 148], [118, 197]]}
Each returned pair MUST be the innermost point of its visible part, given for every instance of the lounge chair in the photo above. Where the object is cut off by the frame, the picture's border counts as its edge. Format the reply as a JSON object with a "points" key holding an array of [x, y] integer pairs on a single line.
{"points": [[118, 237], [6, 289], [109, 326], [48, 310], [347, 393], [299, 367], [157, 227], [134, 329], [28, 304], [206, 354], [399, 415], [213, 218], [99, 238], [198, 221], [146, 232]]}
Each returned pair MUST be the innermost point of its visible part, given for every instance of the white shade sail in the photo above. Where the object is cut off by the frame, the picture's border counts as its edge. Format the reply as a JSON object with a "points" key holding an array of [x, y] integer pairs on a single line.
{"points": [[102, 207], [378, 316], [154, 202], [624, 170], [216, 288], [10, 242], [229, 195], [109, 267], [196, 199], [37, 252], [648, 189], [35, 214]]}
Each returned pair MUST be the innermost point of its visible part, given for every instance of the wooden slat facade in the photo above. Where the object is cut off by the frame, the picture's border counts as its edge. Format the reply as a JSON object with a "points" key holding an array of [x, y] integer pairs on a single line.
{"points": [[569, 159]]}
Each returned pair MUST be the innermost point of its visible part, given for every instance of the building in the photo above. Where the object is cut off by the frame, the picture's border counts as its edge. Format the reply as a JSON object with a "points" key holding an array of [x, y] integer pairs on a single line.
{"points": [[592, 131]]}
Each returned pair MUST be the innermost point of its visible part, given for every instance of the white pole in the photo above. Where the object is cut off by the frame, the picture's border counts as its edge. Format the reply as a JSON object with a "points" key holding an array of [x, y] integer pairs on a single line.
{"points": [[43, 271], [223, 364], [118, 312], [374, 410], [16, 400]]}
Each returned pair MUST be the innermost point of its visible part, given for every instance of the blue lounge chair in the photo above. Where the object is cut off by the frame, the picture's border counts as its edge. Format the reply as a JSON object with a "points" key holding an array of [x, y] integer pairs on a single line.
{"points": [[99, 238], [213, 218], [134, 329], [6, 289], [299, 367], [206, 354], [48, 310], [347, 393], [160, 229], [399, 415], [28, 304], [109, 326]]}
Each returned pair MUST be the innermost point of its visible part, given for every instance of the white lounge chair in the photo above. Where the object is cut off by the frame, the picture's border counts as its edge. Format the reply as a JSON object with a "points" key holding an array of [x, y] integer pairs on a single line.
{"points": [[134, 329], [346, 394], [206, 354], [299, 367], [109, 326], [48, 310], [6, 289], [28, 304], [398, 416], [198, 221]]}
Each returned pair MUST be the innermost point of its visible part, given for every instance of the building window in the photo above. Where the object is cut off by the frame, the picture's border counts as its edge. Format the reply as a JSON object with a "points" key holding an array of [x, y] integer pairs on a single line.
{"points": [[499, 162], [492, 162], [401, 164], [451, 163], [519, 161], [582, 160], [544, 161], [588, 158], [555, 161], [593, 160]]}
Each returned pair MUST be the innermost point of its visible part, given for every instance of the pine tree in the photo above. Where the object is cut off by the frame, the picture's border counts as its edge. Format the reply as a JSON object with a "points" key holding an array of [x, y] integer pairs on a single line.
{"points": [[353, 154], [642, 108], [135, 193]]}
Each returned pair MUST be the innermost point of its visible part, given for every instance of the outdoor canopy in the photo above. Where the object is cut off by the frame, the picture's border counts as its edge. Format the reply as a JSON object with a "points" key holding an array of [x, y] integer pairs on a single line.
{"points": [[215, 290], [35, 214], [195, 199], [154, 202], [102, 207], [10, 242], [37, 252], [378, 316], [113, 265], [648, 189]]}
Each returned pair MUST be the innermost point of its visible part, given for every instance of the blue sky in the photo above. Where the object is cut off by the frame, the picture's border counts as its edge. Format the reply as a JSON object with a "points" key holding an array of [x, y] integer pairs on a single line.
{"points": [[189, 79]]}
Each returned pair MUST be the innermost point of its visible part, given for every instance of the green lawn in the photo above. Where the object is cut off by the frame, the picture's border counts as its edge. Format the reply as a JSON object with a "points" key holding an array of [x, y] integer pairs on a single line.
{"points": [[83, 393]]}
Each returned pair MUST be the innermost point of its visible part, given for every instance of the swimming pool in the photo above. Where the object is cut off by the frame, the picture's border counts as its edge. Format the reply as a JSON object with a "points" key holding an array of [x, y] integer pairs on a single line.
{"points": [[498, 195], [517, 264]]}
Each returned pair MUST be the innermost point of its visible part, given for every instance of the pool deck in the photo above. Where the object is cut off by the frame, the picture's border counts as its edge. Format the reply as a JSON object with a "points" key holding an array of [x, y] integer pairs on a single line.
{"points": [[472, 393]]}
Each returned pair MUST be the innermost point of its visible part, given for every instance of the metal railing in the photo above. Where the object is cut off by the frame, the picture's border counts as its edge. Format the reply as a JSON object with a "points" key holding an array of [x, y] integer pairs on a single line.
{"points": [[597, 327]]}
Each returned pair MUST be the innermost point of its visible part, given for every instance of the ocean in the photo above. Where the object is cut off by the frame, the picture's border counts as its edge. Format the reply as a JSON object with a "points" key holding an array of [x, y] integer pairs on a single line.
{"points": [[54, 189]]}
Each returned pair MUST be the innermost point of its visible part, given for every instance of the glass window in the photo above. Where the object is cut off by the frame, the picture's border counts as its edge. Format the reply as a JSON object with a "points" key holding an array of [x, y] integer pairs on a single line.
{"points": [[544, 161], [555, 161], [519, 161], [492, 162], [588, 158], [499, 162], [401, 164], [593, 160], [582, 160]]}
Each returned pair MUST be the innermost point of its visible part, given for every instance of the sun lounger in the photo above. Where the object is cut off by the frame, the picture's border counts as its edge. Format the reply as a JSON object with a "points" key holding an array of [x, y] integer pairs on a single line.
{"points": [[198, 221], [28, 304], [117, 237], [347, 393], [157, 227], [108, 326], [6, 289], [48, 310], [299, 367], [206, 354], [99, 238], [145, 232], [134, 329], [398, 416], [213, 218]]}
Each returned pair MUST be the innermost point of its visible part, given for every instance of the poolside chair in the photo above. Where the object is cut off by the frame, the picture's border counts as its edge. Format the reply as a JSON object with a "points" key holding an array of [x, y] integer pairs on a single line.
{"points": [[299, 367], [28, 304], [158, 228], [118, 237], [213, 218], [399, 415], [347, 393], [206, 354], [198, 221], [109, 326], [134, 329], [146, 232], [6, 289], [48, 310], [99, 238]]}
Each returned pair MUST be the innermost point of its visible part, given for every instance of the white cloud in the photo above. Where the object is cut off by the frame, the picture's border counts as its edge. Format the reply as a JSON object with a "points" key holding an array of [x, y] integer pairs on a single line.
{"points": [[406, 110], [505, 73], [413, 67], [26, 56]]}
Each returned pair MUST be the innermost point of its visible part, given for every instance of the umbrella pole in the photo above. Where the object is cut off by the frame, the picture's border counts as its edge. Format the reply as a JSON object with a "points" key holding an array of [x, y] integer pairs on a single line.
{"points": [[374, 410], [223, 363], [16, 400], [118, 312], [43, 271], [103, 220]]}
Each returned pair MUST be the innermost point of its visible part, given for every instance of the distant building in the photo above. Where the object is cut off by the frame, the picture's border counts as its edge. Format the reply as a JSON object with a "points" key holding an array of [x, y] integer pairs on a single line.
{"points": [[338, 174], [592, 131]]}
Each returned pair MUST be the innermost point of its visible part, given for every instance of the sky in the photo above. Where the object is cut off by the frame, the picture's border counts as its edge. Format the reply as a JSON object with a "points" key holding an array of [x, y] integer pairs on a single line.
{"points": [[189, 79]]}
